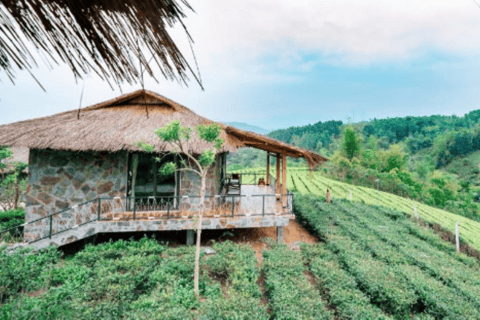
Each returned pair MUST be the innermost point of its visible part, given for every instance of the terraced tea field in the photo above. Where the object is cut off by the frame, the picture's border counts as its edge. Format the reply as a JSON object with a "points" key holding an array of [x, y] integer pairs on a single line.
{"points": [[315, 183], [375, 263]]}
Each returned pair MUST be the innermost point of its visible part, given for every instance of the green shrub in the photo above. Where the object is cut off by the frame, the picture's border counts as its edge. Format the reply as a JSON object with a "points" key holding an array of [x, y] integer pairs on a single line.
{"points": [[291, 295]]}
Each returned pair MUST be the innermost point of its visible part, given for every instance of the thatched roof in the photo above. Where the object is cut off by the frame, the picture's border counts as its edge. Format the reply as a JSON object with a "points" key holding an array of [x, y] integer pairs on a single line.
{"points": [[119, 123], [101, 36]]}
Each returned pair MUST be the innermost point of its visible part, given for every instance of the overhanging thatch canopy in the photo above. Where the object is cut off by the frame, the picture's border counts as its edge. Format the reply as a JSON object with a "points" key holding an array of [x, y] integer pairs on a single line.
{"points": [[103, 36], [119, 123]]}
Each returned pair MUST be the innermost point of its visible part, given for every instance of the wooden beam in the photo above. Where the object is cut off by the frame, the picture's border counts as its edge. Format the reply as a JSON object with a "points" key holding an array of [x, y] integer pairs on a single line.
{"points": [[273, 149], [284, 180], [277, 181], [268, 169]]}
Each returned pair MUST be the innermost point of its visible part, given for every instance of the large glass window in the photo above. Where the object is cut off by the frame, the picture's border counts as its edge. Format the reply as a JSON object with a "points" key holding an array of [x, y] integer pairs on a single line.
{"points": [[144, 179]]}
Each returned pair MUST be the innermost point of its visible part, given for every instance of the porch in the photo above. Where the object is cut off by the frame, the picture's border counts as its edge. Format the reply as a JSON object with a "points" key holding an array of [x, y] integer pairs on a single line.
{"points": [[253, 206]]}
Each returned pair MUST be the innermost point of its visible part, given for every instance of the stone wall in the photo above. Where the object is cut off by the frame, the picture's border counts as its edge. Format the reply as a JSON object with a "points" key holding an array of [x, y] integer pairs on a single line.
{"points": [[95, 227], [60, 179]]}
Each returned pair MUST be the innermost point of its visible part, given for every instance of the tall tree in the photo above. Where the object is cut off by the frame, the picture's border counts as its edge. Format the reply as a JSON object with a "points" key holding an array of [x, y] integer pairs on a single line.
{"points": [[177, 136], [351, 142]]}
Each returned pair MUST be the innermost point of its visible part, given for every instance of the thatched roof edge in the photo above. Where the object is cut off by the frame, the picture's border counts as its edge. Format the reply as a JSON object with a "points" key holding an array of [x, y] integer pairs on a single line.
{"points": [[130, 126]]}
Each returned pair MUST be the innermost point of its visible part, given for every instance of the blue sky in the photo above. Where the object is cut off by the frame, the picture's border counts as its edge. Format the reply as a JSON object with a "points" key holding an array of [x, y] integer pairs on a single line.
{"points": [[276, 64]]}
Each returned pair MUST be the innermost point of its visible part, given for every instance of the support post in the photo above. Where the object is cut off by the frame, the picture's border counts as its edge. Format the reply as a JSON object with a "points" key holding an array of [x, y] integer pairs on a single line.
{"points": [[134, 209], [190, 237], [267, 180], [279, 234], [263, 205], [99, 208], [284, 180], [51, 222], [277, 181]]}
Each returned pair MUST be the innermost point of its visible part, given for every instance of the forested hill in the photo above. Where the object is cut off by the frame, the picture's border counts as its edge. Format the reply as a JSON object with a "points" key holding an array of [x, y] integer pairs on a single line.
{"points": [[310, 135], [422, 131]]}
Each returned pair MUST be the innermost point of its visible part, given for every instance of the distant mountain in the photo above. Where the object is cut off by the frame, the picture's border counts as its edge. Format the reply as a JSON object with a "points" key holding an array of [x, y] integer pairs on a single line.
{"points": [[246, 126]]}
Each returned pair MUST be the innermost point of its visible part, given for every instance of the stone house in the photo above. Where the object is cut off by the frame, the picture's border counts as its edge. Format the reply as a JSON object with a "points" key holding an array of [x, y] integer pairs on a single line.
{"points": [[86, 172]]}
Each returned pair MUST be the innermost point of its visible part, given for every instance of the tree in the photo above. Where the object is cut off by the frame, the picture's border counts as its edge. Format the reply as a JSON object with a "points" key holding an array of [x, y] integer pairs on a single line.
{"points": [[178, 137], [11, 186], [351, 143]]}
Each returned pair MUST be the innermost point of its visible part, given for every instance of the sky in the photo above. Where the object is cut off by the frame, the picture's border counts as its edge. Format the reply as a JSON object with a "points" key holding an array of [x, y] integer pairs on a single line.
{"points": [[282, 63]]}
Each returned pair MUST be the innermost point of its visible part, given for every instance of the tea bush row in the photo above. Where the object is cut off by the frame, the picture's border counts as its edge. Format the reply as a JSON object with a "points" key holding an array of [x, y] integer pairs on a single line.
{"points": [[399, 282], [291, 295], [341, 287]]}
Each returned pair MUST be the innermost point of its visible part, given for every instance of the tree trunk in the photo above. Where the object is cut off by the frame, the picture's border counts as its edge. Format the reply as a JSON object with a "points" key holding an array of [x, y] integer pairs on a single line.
{"points": [[199, 233], [16, 195]]}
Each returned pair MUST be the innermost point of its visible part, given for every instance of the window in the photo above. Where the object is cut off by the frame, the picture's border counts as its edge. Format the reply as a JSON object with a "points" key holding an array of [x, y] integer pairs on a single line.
{"points": [[144, 179]]}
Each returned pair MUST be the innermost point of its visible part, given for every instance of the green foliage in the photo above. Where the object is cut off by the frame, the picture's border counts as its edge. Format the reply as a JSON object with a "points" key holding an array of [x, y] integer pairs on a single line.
{"points": [[210, 133], [351, 143], [207, 158], [310, 137], [5, 153], [291, 295], [236, 265], [130, 280], [405, 270], [145, 146], [22, 272], [301, 180], [174, 132], [168, 169], [11, 218]]}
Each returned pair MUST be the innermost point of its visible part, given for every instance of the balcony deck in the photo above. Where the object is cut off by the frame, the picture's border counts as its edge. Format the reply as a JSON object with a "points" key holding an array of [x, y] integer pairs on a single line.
{"points": [[254, 207], [252, 201]]}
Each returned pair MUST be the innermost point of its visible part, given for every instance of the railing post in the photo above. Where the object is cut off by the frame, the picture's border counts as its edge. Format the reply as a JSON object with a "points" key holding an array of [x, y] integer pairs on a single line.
{"points": [[233, 205], [168, 210], [254, 178], [263, 205], [134, 208], [51, 219], [99, 208]]}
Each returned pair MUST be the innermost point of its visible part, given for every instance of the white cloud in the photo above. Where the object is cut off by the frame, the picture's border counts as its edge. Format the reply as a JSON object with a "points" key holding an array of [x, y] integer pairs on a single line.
{"points": [[243, 43], [360, 31]]}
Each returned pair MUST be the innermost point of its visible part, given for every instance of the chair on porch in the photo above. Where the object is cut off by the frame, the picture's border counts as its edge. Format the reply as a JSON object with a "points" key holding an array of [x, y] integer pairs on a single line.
{"points": [[234, 182]]}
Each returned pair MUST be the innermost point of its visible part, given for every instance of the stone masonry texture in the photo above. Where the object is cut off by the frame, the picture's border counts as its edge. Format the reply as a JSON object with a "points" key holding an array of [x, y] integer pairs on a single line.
{"points": [[60, 179]]}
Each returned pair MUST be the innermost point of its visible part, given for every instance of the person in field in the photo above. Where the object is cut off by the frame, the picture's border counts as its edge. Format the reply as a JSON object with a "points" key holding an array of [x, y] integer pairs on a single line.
{"points": [[328, 197]]}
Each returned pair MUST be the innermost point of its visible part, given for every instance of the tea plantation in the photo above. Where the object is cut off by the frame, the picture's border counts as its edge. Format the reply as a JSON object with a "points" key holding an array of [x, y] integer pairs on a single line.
{"points": [[370, 263], [315, 183]]}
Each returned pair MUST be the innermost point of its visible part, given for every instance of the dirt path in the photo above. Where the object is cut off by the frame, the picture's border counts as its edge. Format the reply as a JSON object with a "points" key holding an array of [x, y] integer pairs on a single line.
{"points": [[292, 235]]}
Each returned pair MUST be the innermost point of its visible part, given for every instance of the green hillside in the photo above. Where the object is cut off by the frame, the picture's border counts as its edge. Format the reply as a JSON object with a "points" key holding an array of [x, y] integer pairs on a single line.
{"points": [[315, 183], [467, 168]]}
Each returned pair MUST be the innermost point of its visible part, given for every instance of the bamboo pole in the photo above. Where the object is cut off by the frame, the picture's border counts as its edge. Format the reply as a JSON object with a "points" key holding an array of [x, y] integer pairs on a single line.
{"points": [[284, 180], [277, 181], [267, 180]]}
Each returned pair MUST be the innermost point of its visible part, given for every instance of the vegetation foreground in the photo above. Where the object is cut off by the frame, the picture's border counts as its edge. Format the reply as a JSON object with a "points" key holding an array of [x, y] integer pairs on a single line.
{"points": [[371, 263]]}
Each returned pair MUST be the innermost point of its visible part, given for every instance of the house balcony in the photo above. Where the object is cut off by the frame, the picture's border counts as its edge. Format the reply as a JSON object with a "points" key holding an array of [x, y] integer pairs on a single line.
{"points": [[249, 206]]}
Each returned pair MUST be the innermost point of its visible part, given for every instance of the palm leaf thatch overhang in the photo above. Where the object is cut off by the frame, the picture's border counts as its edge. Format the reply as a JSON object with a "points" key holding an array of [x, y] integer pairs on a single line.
{"points": [[101, 36], [118, 124]]}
